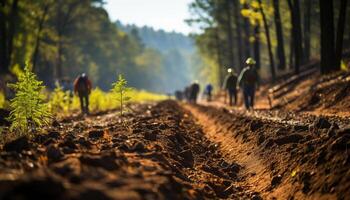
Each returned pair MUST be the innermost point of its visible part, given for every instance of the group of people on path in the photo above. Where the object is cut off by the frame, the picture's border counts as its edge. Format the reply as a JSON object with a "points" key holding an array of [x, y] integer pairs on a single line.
{"points": [[190, 93], [248, 81]]}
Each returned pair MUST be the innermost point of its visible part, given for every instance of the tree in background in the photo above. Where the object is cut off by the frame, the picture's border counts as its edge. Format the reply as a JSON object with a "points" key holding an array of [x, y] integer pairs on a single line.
{"points": [[279, 33], [307, 29], [331, 46], [294, 7], [340, 33], [296, 34], [269, 45]]}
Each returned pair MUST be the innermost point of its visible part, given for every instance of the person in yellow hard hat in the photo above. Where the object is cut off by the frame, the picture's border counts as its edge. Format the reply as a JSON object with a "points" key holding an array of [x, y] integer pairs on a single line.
{"points": [[248, 80], [230, 84]]}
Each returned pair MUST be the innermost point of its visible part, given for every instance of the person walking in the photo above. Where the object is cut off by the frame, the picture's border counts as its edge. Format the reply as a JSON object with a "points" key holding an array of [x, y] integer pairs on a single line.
{"points": [[82, 87], [230, 85], [248, 80], [208, 91], [194, 91]]}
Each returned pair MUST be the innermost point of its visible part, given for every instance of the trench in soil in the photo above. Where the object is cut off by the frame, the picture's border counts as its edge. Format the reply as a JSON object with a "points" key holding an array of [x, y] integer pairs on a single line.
{"points": [[281, 160], [172, 151]]}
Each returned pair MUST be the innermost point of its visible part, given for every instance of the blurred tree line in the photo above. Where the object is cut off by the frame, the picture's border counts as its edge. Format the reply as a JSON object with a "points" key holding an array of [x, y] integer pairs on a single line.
{"points": [[175, 50], [63, 38], [282, 36]]}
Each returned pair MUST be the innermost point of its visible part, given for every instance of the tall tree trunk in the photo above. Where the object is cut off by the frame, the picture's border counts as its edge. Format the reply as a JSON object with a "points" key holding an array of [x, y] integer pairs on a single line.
{"points": [[279, 32], [38, 37], [3, 40], [257, 46], [340, 34], [7, 34], [11, 30], [307, 30], [297, 35], [327, 36], [291, 52], [229, 33], [238, 19], [218, 56], [269, 46], [246, 36], [58, 72]]}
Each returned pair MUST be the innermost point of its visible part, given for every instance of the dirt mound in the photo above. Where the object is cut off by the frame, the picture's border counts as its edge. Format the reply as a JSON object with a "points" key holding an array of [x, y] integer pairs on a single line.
{"points": [[156, 152], [327, 94], [300, 161]]}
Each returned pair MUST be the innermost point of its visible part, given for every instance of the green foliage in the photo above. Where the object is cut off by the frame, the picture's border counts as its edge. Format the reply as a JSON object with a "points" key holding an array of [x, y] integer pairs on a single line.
{"points": [[59, 101], [28, 109], [342, 67], [2, 99], [120, 90], [101, 101]]}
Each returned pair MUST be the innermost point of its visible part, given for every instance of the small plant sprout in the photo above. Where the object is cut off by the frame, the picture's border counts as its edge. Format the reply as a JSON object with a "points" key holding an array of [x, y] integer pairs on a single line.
{"points": [[120, 90], [28, 109]]}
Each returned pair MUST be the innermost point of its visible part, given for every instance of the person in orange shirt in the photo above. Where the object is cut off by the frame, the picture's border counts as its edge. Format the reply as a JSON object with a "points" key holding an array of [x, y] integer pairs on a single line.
{"points": [[82, 87]]}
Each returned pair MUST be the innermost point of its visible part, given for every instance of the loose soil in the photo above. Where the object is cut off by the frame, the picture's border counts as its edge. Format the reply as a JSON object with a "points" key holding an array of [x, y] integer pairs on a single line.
{"points": [[156, 152], [172, 150]]}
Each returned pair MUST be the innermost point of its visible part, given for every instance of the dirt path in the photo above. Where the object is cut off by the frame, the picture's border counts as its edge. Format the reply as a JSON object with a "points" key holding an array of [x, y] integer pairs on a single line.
{"points": [[280, 159], [282, 116], [168, 151], [155, 152], [254, 171]]}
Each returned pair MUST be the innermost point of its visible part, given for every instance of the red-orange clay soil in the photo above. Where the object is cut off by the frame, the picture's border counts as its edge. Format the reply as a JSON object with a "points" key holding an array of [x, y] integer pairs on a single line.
{"points": [[172, 150]]}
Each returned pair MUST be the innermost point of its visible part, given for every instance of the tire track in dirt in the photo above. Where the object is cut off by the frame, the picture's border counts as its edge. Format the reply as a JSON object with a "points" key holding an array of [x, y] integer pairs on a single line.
{"points": [[254, 174], [282, 160]]}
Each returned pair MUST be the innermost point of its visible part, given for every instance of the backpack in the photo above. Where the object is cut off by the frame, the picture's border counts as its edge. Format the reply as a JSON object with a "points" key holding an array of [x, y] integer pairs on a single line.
{"points": [[250, 77], [82, 84]]}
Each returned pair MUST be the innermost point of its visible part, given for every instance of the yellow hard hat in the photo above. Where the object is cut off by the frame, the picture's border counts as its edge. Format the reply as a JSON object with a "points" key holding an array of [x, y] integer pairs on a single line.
{"points": [[250, 61]]}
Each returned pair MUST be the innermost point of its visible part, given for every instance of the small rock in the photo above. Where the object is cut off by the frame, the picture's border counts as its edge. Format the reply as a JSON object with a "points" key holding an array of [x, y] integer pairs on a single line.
{"points": [[17, 145], [96, 134], [276, 180]]}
